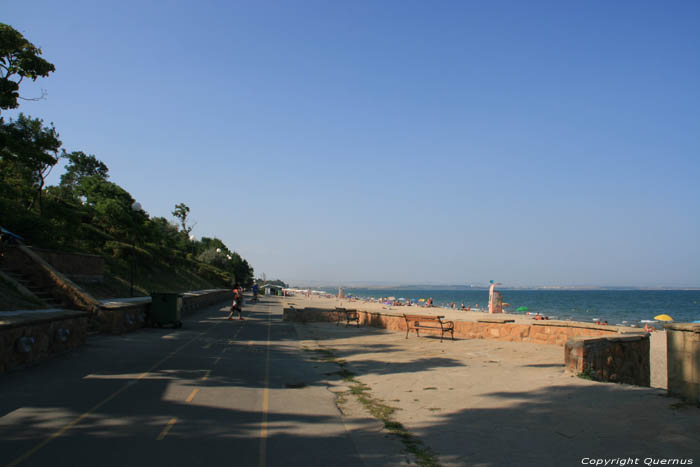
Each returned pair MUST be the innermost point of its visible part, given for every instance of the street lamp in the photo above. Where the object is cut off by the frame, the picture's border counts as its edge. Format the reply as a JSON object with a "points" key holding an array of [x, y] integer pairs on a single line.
{"points": [[192, 239], [136, 207]]}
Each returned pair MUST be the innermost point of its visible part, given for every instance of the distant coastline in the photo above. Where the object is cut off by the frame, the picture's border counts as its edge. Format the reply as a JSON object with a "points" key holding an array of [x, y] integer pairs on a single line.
{"points": [[376, 286]]}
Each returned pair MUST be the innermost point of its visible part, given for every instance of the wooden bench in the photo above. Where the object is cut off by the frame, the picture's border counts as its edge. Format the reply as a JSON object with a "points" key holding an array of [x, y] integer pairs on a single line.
{"points": [[350, 316], [429, 323]]}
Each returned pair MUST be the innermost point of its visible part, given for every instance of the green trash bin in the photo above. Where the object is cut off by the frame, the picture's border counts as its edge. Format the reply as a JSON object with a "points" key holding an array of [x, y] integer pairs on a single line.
{"points": [[166, 308]]}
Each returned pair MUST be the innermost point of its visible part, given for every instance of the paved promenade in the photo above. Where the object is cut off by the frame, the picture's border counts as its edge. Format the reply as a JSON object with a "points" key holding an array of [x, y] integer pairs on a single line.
{"points": [[262, 392], [216, 392]]}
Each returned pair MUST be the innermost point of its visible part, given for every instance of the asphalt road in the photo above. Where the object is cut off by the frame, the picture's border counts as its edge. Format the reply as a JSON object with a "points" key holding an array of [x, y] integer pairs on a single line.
{"points": [[216, 392]]}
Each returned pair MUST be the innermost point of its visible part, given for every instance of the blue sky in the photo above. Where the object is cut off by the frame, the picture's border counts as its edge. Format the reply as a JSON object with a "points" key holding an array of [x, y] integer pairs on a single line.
{"points": [[552, 143]]}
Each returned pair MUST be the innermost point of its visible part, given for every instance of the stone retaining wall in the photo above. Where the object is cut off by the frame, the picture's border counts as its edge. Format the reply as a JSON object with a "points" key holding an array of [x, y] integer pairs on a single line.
{"points": [[540, 332], [618, 359], [33, 337], [683, 345], [41, 328], [121, 317]]}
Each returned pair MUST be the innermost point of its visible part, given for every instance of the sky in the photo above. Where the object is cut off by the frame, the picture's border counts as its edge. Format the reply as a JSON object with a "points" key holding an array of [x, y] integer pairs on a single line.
{"points": [[402, 142]]}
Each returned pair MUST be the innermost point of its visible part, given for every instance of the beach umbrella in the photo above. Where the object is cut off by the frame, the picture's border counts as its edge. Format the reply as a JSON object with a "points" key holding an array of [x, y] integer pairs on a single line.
{"points": [[421, 299], [392, 298], [663, 318], [522, 308]]}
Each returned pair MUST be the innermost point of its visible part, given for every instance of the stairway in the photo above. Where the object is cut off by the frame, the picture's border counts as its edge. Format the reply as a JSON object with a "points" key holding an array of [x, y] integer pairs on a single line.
{"points": [[42, 293]]}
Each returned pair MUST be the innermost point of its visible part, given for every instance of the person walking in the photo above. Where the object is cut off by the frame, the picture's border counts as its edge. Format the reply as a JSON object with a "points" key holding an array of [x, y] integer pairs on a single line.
{"points": [[237, 304]]}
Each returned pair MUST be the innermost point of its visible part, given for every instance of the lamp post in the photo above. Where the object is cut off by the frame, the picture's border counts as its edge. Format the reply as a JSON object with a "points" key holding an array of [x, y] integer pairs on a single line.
{"points": [[136, 207], [192, 239]]}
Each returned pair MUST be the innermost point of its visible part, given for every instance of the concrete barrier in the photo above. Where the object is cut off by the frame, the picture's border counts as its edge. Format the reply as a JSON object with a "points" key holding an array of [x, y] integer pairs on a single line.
{"points": [[683, 354]]}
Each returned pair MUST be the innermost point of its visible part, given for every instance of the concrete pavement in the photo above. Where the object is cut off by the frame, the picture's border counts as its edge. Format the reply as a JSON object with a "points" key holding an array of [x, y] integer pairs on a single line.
{"points": [[217, 392]]}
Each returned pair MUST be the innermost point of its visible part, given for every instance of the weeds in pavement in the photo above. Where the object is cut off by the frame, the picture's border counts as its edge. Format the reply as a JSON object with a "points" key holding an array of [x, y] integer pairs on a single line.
{"points": [[425, 457]]}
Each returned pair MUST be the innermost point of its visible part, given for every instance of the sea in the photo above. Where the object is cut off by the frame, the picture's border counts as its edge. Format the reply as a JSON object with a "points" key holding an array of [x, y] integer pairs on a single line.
{"points": [[619, 307]]}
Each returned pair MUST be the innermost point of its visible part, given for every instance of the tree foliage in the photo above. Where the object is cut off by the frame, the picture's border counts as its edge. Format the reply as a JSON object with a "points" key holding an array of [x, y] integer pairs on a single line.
{"points": [[181, 212], [19, 59], [86, 212], [28, 152]]}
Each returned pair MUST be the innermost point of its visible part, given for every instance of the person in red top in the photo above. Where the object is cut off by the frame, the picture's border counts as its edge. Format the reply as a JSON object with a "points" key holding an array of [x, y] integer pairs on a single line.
{"points": [[237, 304]]}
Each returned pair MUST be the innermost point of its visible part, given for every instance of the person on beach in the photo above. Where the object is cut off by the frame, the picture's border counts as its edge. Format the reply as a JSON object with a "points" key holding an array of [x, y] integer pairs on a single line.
{"points": [[237, 304]]}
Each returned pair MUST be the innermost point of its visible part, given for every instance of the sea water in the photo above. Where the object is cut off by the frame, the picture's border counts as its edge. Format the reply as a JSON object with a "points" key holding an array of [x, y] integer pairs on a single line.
{"points": [[622, 307]]}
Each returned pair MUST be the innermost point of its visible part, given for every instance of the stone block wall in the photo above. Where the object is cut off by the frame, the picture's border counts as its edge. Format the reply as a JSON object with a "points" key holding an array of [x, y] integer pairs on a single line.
{"points": [[550, 332], [619, 359], [683, 354], [53, 332], [118, 319], [46, 336]]}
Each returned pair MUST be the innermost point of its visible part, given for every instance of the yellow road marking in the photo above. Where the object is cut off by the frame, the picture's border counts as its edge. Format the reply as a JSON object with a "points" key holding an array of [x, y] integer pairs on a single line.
{"points": [[266, 398], [192, 394], [67, 427], [206, 375], [167, 428]]}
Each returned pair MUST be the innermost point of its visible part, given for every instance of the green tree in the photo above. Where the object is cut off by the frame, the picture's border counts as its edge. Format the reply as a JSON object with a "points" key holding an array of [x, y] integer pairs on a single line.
{"points": [[110, 207], [28, 152], [19, 59], [181, 212], [79, 166]]}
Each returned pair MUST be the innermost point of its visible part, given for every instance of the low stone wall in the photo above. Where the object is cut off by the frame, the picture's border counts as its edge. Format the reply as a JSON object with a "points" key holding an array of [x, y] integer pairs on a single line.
{"points": [[118, 317], [683, 354], [193, 301], [618, 359], [121, 317], [31, 337], [540, 332]]}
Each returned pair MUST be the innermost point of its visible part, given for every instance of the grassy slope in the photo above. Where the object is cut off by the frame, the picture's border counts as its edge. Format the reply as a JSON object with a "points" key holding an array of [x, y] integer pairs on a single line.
{"points": [[149, 278]]}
